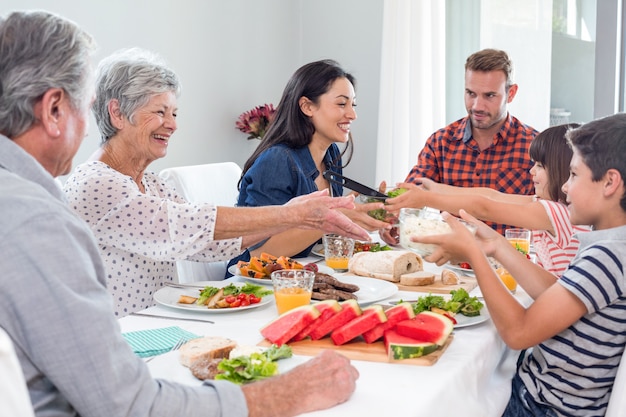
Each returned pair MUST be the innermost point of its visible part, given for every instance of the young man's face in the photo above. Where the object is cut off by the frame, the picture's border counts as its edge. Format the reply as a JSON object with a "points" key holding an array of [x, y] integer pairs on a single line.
{"points": [[486, 97], [584, 196]]}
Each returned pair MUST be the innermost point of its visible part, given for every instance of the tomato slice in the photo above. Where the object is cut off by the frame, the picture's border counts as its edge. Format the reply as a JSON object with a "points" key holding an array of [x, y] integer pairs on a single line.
{"points": [[236, 303]]}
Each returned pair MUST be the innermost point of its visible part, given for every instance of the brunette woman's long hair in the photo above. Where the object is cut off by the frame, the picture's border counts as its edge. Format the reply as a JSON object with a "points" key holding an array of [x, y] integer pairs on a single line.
{"points": [[292, 127]]}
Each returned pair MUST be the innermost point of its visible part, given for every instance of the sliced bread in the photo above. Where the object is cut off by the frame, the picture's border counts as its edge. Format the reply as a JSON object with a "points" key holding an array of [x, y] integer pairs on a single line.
{"points": [[209, 347], [417, 278]]}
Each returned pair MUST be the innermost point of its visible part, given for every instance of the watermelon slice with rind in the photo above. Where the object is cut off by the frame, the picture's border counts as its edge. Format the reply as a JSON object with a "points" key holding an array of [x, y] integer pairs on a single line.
{"points": [[327, 309], [372, 316], [426, 327], [288, 324], [402, 347], [395, 314], [349, 310]]}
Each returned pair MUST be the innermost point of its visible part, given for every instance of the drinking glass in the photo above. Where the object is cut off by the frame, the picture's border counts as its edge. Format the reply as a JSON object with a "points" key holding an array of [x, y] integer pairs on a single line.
{"points": [[292, 288], [337, 251]]}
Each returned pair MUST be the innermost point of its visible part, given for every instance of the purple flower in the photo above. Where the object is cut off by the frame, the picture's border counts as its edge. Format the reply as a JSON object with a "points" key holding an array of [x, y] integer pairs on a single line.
{"points": [[255, 122]]}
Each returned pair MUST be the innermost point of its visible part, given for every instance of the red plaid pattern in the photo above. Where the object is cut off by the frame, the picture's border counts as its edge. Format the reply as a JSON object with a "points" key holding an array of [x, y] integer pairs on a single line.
{"points": [[503, 166]]}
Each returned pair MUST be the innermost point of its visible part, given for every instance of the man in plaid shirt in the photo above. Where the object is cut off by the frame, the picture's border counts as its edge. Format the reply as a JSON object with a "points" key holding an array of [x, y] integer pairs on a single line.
{"points": [[488, 147]]}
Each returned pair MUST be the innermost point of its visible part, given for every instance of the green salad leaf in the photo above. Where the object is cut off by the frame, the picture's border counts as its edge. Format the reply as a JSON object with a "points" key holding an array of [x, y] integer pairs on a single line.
{"points": [[257, 366], [381, 214], [459, 302]]}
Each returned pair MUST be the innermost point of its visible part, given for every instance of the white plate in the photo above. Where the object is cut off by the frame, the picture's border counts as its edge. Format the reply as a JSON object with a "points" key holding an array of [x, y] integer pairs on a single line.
{"points": [[168, 296], [370, 290], [461, 320], [267, 281], [464, 321], [462, 271], [318, 250]]}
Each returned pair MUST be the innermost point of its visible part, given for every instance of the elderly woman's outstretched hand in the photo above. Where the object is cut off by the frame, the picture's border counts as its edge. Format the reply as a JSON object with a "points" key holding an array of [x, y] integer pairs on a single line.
{"points": [[317, 211]]}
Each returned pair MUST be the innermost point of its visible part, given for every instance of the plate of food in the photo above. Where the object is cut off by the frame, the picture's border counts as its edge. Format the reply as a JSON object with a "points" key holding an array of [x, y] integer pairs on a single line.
{"points": [[266, 280], [186, 298], [318, 249], [462, 268], [465, 321], [371, 290], [461, 320]]}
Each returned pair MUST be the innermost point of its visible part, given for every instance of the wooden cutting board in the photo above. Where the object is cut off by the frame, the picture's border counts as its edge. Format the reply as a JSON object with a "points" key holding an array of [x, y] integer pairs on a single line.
{"points": [[468, 283], [360, 351]]}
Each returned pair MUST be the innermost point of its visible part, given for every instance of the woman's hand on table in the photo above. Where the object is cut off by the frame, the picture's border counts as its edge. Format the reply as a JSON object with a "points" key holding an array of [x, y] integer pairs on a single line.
{"points": [[320, 383]]}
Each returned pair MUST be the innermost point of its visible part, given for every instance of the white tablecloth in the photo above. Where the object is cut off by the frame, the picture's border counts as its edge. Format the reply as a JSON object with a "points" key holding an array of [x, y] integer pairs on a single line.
{"points": [[472, 377]]}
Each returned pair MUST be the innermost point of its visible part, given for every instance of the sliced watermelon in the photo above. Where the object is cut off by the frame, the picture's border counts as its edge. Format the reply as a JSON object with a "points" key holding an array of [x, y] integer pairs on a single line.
{"points": [[395, 314], [426, 327], [372, 316], [349, 310], [288, 324], [327, 309], [402, 347]]}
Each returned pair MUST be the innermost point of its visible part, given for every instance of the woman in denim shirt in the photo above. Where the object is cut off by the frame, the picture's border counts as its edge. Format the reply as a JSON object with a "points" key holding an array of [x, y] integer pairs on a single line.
{"points": [[314, 114]]}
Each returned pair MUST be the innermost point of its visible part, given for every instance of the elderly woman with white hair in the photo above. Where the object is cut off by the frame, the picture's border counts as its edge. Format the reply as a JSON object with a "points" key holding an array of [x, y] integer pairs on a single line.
{"points": [[142, 226]]}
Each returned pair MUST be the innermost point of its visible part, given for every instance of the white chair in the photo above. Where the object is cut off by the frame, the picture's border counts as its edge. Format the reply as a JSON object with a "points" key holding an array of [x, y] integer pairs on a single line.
{"points": [[13, 391], [617, 402], [208, 183]]}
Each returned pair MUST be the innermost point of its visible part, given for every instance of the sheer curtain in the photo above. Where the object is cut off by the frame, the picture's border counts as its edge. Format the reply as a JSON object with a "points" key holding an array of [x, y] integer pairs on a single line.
{"points": [[413, 82]]}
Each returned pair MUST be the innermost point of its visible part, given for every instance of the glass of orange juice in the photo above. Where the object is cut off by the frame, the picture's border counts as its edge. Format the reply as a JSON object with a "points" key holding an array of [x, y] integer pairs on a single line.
{"points": [[292, 288], [338, 251], [507, 279], [519, 238]]}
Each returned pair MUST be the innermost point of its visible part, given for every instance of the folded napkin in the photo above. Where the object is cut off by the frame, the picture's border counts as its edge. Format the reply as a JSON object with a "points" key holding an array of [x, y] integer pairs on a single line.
{"points": [[156, 341]]}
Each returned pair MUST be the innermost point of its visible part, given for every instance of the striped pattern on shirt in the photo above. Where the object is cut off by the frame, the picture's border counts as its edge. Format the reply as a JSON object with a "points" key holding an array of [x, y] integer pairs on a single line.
{"points": [[554, 253], [574, 371]]}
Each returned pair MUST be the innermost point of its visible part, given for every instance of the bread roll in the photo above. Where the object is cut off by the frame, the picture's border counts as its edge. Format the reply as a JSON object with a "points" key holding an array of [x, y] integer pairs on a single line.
{"points": [[418, 278], [387, 265], [209, 347], [449, 277]]}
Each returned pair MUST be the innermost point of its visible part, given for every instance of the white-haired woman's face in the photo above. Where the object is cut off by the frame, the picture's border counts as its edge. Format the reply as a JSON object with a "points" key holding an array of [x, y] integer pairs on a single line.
{"points": [[152, 127]]}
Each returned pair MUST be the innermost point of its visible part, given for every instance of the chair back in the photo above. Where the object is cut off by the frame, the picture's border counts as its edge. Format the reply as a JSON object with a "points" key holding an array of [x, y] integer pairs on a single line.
{"points": [[13, 391], [208, 183], [617, 402]]}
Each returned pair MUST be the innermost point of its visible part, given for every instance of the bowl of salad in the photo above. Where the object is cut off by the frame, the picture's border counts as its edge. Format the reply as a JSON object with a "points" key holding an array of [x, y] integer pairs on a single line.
{"points": [[425, 221]]}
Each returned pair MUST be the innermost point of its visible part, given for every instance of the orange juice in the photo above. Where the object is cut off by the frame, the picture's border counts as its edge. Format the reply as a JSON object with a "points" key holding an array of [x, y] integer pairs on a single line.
{"points": [[289, 298], [507, 279], [522, 245], [337, 263]]}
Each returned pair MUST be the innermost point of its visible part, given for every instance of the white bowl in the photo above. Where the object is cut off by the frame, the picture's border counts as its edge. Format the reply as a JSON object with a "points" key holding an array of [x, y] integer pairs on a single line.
{"points": [[423, 222]]}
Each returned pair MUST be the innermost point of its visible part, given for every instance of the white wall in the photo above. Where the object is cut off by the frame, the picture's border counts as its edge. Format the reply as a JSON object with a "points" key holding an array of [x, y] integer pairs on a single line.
{"points": [[232, 55]]}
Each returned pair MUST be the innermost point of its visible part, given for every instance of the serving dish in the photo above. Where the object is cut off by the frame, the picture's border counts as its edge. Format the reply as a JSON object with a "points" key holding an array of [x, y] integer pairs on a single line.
{"points": [[267, 281], [168, 296], [371, 290]]}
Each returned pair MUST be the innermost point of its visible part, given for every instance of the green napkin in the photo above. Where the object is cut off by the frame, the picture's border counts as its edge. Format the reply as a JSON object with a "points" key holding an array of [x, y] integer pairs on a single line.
{"points": [[156, 341]]}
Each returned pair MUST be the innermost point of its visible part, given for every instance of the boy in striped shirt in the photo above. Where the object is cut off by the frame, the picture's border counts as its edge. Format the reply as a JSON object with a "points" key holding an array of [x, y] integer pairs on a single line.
{"points": [[573, 335]]}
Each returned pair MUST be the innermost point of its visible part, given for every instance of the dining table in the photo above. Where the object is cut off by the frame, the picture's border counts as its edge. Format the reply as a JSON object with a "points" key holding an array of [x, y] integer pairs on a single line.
{"points": [[471, 378]]}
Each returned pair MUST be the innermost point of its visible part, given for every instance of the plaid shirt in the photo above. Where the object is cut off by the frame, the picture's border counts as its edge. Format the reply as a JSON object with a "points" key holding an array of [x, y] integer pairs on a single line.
{"points": [[452, 156]]}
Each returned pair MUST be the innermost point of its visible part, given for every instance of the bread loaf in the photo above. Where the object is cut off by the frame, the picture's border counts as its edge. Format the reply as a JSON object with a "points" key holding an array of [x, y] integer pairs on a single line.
{"points": [[209, 347], [418, 278], [449, 277], [387, 265]]}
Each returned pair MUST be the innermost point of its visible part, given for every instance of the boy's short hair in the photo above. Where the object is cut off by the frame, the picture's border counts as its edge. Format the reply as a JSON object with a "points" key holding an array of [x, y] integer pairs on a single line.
{"points": [[602, 146]]}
